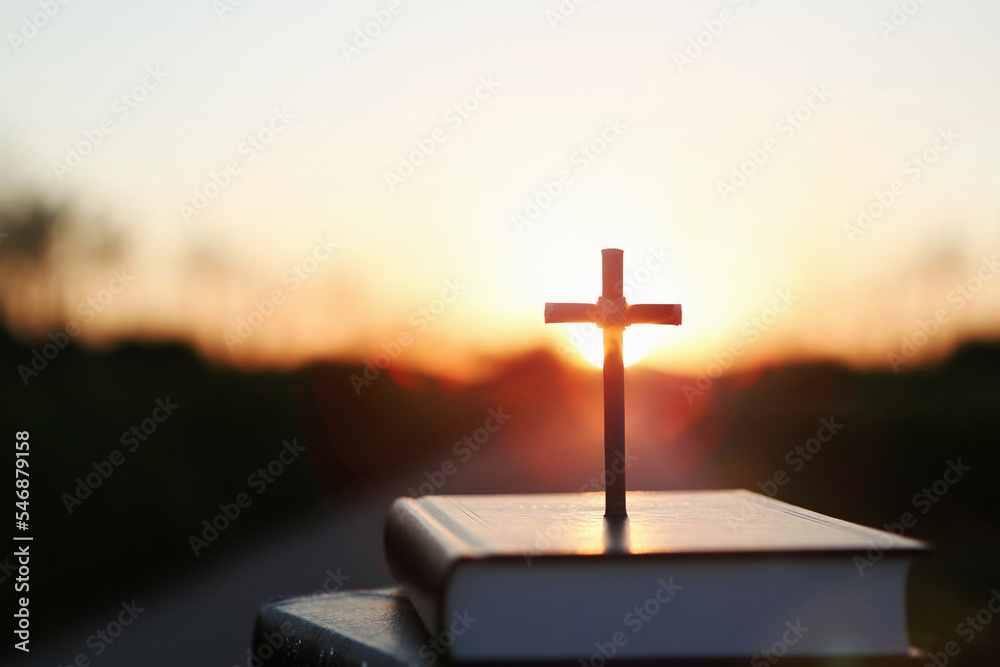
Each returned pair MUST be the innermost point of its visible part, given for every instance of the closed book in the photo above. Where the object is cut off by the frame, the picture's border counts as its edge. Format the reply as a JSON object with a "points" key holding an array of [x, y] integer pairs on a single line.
{"points": [[693, 574]]}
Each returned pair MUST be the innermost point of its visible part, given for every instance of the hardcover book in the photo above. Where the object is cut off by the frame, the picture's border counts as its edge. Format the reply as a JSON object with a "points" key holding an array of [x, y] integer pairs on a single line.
{"points": [[687, 574]]}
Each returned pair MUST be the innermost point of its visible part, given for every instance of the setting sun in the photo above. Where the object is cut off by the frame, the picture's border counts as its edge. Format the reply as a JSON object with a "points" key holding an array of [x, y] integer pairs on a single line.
{"points": [[591, 348]]}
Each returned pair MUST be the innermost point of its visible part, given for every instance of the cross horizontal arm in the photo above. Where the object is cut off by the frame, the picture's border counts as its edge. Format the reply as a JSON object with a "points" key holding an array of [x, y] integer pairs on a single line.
{"points": [[640, 313], [556, 313], [653, 313]]}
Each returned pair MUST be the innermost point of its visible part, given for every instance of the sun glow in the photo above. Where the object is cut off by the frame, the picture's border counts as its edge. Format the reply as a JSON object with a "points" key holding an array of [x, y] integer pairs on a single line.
{"points": [[587, 340]]}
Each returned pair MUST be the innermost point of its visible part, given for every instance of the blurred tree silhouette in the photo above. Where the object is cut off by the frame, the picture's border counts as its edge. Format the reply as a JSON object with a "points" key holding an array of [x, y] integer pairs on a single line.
{"points": [[28, 230], [44, 247]]}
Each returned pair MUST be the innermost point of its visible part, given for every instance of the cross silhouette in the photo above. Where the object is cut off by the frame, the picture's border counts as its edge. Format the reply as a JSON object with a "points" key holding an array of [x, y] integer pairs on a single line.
{"points": [[613, 314]]}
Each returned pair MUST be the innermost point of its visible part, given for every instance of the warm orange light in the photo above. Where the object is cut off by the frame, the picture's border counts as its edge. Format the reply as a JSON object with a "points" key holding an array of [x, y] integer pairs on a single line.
{"points": [[589, 342]]}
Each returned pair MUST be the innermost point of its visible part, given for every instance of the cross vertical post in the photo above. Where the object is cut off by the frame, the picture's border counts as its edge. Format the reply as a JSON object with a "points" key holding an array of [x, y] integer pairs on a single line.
{"points": [[612, 313], [614, 382]]}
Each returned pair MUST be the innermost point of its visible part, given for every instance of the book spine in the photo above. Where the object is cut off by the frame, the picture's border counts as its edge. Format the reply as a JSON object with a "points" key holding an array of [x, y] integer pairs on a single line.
{"points": [[421, 554]]}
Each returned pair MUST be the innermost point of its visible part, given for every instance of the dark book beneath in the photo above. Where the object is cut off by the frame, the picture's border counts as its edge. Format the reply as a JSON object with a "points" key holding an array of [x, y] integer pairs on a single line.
{"points": [[380, 628]]}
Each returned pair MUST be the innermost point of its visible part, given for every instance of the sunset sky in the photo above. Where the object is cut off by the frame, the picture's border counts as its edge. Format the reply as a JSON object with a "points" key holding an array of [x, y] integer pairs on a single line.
{"points": [[807, 180]]}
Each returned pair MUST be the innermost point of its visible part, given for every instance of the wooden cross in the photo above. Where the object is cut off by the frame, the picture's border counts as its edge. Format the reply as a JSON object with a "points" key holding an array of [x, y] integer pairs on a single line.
{"points": [[613, 314]]}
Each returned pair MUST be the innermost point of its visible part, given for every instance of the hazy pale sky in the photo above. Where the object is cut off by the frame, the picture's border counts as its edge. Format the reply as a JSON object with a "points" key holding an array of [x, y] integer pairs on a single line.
{"points": [[806, 179]]}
